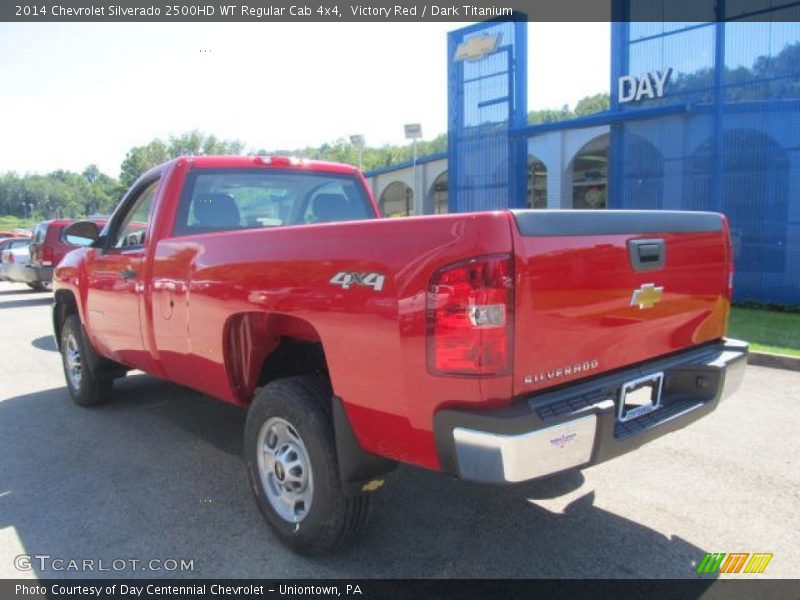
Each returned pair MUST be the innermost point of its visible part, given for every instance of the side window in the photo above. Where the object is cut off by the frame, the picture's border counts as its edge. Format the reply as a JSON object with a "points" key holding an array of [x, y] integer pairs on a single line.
{"points": [[132, 230]]}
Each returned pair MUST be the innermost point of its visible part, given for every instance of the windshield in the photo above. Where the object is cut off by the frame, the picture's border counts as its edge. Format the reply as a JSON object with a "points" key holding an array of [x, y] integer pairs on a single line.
{"points": [[227, 199]]}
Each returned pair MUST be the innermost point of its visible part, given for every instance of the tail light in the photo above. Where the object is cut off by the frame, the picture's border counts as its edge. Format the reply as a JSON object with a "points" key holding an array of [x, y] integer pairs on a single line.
{"points": [[47, 256], [470, 317], [729, 244]]}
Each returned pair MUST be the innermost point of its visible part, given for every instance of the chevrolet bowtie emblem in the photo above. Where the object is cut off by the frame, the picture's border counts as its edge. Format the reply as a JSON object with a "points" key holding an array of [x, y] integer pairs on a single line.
{"points": [[477, 47], [647, 295]]}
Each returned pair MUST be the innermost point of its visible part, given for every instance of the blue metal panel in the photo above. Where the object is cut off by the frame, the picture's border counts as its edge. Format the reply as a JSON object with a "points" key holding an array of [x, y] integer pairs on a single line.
{"points": [[487, 96], [737, 150]]}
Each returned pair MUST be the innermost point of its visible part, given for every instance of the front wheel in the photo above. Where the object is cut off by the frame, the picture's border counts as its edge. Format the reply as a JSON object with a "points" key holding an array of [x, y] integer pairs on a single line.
{"points": [[84, 389], [291, 460]]}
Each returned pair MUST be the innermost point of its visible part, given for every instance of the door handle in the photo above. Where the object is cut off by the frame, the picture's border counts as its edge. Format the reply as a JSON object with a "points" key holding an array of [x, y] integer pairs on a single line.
{"points": [[647, 255], [127, 273]]}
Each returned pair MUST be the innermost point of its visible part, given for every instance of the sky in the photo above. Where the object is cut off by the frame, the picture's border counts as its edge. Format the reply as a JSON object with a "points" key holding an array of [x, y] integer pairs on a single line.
{"points": [[73, 94]]}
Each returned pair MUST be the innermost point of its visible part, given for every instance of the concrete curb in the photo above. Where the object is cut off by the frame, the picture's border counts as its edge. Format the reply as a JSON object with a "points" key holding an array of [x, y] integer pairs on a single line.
{"points": [[775, 361]]}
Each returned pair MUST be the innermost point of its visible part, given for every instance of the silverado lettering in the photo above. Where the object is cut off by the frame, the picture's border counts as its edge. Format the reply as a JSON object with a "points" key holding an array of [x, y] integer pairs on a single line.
{"points": [[503, 346]]}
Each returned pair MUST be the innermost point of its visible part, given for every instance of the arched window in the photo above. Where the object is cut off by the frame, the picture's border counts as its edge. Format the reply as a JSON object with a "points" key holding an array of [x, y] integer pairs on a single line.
{"points": [[537, 183], [590, 174], [439, 200], [397, 200]]}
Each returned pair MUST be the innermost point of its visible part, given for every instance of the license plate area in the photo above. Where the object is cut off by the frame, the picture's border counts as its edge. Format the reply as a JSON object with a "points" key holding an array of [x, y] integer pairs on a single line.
{"points": [[640, 397]]}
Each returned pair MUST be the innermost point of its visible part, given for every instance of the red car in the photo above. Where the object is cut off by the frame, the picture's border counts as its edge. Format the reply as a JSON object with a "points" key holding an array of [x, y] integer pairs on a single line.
{"points": [[48, 247], [495, 347]]}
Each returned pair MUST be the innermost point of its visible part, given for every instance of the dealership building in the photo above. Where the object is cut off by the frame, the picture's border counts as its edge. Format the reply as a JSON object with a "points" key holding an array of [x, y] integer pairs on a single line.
{"points": [[703, 116]]}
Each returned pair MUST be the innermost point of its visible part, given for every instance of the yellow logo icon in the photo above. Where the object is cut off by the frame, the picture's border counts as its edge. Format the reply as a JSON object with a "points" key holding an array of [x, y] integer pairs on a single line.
{"points": [[647, 296], [475, 48]]}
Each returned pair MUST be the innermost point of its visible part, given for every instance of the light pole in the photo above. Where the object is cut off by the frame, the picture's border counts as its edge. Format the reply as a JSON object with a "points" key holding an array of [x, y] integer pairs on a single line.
{"points": [[414, 132], [31, 207], [358, 141]]}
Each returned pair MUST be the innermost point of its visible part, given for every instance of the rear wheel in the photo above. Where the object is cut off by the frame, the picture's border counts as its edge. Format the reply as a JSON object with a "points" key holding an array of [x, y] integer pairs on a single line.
{"points": [[84, 389], [38, 286], [291, 460]]}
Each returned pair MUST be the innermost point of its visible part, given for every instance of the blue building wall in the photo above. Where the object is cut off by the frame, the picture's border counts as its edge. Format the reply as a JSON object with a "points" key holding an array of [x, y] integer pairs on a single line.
{"points": [[736, 147], [725, 135], [487, 97]]}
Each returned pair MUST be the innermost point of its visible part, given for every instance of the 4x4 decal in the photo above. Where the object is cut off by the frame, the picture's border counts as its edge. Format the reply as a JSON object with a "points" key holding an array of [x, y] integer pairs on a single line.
{"points": [[347, 278]]}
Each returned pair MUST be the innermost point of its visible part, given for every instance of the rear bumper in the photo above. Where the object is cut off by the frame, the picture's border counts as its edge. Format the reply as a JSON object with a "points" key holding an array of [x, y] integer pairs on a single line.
{"points": [[577, 425], [25, 273], [40, 273], [20, 273]]}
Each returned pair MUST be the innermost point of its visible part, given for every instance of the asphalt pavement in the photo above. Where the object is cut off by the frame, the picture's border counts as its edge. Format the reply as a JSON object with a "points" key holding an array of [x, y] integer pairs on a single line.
{"points": [[158, 475]]}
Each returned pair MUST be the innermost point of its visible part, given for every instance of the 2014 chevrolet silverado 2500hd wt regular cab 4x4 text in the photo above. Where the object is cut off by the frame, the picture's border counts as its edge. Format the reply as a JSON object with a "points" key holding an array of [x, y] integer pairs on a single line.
{"points": [[496, 347]]}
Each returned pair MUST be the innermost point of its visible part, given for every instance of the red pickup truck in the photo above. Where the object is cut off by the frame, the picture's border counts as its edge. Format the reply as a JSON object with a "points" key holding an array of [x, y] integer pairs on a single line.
{"points": [[495, 347]]}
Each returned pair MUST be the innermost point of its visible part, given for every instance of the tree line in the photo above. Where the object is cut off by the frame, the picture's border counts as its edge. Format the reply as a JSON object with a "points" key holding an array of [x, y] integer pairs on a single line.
{"points": [[72, 195]]}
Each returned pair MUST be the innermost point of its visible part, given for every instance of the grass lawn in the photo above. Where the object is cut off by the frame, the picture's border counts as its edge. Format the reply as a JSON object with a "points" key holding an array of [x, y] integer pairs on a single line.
{"points": [[767, 330], [11, 222]]}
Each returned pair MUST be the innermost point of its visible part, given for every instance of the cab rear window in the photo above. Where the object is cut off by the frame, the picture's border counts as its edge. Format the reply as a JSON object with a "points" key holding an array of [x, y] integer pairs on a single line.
{"points": [[226, 199]]}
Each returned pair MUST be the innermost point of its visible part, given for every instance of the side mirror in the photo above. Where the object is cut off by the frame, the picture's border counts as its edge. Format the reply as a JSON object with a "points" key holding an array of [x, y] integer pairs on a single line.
{"points": [[81, 233]]}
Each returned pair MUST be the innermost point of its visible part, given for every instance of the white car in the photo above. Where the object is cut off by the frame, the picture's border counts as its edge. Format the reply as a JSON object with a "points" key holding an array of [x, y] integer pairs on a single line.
{"points": [[14, 262]]}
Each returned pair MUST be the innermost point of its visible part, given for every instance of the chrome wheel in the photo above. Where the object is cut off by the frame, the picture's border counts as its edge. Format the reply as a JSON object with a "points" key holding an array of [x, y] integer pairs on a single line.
{"points": [[285, 470], [72, 358]]}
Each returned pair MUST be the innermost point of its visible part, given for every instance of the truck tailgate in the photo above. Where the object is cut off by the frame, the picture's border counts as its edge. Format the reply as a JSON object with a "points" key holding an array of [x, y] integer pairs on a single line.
{"points": [[602, 290]]}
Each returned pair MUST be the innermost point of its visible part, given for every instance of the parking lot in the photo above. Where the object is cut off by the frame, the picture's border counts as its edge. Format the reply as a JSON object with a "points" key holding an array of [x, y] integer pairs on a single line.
{"points": [[158, 474]]}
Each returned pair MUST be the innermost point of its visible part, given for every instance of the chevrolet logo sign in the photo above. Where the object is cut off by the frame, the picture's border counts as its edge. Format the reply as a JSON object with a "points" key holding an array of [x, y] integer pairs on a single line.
{"points": [[647, 295], [477, 47]]}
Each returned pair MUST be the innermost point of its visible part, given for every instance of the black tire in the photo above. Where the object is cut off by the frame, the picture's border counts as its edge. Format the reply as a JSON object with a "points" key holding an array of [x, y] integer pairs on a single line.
{"points": [[84, 390], [303, 402], [38, 286]]}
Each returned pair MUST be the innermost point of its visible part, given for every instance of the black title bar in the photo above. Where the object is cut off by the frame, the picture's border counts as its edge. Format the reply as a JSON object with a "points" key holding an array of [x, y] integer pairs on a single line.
{"points": [[399, 589]]}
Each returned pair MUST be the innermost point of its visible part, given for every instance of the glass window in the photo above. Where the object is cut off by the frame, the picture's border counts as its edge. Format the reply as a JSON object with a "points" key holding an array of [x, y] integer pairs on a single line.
{"points": [[132, 231], [397, 200], [439, 193], [39, 233], [226, 199], [590, 174], [537, 183]]}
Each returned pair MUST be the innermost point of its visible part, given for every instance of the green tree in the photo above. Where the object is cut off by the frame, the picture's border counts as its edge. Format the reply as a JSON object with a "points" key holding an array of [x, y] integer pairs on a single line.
{"points": [[141, 158], [592, 104], [91, 173]]}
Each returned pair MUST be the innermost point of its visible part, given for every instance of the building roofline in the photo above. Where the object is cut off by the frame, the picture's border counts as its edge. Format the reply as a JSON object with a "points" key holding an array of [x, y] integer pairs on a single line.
{"points": [[406, 163]]}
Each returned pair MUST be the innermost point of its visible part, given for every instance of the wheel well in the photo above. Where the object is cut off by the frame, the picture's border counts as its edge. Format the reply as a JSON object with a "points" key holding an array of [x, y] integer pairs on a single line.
{"points": [[65, 305], [294, 357], [262, 347]]}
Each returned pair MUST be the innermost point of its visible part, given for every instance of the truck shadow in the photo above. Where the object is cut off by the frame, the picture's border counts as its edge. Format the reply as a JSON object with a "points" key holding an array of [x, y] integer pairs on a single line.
{"points": [[46, 342], [158, 473]]}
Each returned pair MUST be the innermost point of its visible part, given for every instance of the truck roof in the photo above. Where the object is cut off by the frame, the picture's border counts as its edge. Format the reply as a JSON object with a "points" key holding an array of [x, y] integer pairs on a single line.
{"points": [[245, 162]]}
